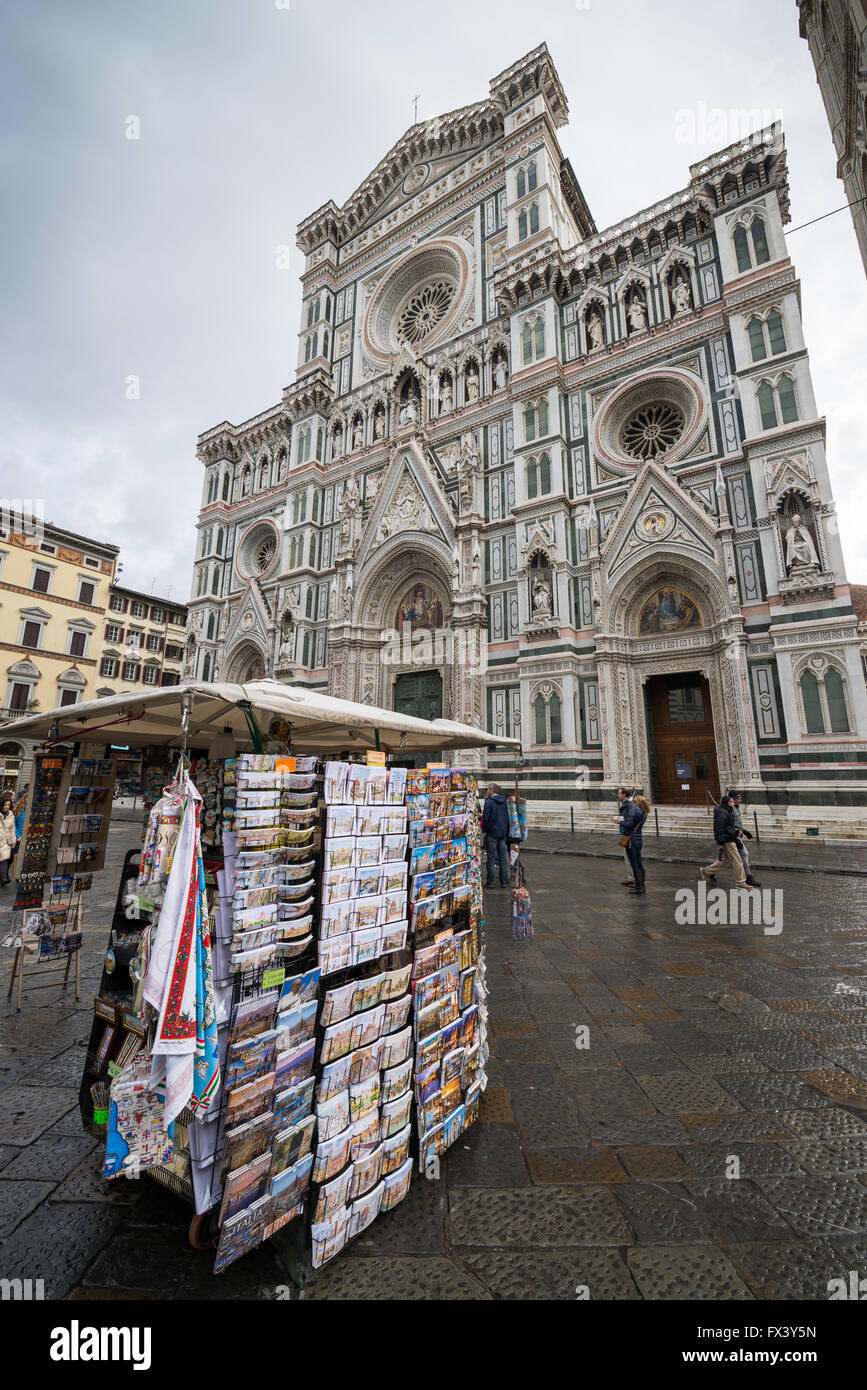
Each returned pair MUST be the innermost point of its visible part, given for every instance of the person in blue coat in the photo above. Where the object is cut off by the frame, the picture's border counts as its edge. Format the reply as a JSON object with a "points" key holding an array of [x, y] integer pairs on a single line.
{"points": [[632, 825], [495, 828]]}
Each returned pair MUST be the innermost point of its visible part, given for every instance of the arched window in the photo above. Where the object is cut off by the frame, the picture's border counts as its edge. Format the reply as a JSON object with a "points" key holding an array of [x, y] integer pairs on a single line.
{"points": [[206, 667], [220, 541], [534, 218], [786, 397], [760, 241], [813, 719], [532, 478], [522, 226], [838, 717], [215, 580], [776, 332], [742, 248], [539, 339], [554, 718], [544, 474], [529, 423], [542, 413], [325, 343], [210, 627], [527, 343], [201, 581], [531, 176], [227, 481], [756, 330], [521, 183], [767, 405], [541, 721]]}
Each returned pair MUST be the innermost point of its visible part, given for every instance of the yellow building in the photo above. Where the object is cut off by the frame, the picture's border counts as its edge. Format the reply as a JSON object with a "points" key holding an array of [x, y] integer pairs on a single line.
{"points": [[54, 591]]}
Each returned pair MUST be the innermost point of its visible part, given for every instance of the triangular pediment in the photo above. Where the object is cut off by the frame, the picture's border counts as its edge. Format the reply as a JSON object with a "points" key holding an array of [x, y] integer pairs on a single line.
{"points": [[250, 618], [658, 517], [410, 499]]}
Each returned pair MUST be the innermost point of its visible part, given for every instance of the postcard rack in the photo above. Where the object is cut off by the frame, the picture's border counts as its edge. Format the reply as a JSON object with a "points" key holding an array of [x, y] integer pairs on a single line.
{"points": [[62, 947]]}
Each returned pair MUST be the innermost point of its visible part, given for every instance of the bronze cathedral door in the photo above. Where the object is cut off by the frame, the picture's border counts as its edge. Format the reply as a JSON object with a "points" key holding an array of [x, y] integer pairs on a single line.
{"points": [[681, 724]]}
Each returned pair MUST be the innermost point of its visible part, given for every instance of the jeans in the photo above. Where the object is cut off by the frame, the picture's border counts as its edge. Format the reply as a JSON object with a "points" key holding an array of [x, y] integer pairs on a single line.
{"points": [[496, 852], [633, 853], [4, 870], [744, 853]]}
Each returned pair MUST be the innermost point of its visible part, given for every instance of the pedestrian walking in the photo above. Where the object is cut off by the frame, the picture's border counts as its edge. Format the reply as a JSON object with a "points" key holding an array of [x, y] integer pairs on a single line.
{"points": [[726, 835], [737, 800], [631, 826], [495, 828], [7, 838], [18, 809], [625, 805]]}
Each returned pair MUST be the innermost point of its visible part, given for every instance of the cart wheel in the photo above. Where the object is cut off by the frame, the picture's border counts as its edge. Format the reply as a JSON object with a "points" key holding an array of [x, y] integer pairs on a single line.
{"points": [[199, 1234]]}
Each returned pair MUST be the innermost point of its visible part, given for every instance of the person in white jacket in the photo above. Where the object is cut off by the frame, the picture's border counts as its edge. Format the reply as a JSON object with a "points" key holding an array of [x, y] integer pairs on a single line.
{"points": [[7, 838]]}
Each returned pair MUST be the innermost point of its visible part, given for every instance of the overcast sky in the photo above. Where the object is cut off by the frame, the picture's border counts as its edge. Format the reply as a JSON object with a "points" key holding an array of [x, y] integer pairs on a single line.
{"points": [[156, 258]]}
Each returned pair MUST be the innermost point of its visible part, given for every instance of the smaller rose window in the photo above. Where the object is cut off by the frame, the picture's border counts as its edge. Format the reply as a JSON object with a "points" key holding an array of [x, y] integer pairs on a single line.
{"points": [[652, 430], [264, 554], [425, 311]]}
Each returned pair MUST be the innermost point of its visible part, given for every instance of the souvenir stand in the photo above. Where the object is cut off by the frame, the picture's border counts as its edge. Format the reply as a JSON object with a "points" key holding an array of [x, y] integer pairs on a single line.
{"points": [[293, 1014]]}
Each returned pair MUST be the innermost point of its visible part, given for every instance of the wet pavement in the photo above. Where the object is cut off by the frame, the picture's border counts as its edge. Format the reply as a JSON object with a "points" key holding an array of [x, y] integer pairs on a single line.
{"points": [[800, 856], [673, 1112]]}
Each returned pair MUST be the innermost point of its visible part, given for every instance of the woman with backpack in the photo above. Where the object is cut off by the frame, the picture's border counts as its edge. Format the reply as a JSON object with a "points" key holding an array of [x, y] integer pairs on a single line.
{"points": [[631, 839]]}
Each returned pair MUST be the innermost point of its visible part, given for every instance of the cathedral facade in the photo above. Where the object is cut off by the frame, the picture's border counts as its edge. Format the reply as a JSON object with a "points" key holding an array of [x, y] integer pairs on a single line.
{"points": [[566, 484]]}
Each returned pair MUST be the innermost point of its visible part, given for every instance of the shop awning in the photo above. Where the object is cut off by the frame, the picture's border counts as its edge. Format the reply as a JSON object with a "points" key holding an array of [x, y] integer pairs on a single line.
{"points": [[319, 723]]}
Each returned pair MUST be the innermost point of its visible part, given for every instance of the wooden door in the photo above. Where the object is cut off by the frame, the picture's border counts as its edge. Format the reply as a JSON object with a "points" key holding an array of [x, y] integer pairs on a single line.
{"points": [[686, 765], [419, 694]]}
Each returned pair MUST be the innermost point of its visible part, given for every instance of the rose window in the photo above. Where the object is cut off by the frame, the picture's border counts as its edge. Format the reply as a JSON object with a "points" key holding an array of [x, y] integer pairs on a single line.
{"points": [[652, 430], [425, 311], [264, 554]]}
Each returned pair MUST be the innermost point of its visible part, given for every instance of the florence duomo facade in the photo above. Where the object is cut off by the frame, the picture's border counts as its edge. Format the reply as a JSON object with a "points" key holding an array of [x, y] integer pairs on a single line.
{"points": [[566, 484]]}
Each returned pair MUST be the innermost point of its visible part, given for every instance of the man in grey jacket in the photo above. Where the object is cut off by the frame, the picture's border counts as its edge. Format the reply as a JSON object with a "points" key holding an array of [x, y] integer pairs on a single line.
{"points": [[740, 846]]}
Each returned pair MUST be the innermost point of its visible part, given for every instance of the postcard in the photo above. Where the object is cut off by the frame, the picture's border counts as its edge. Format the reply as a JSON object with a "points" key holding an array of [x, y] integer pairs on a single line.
{"points": [[396, 1080], [395, 1048], [77, 795], [395, 1149], [249, 1100], [242, 1233], [338, 885], [292, 1144], [331, 1156], [366, 946], [293, 1103], [368, 882], [364, 1062], [338, 1040], [338, 1003], [249, 1058], [335, 1077], [60, 884], [396, 982], [332, 1195], [247, 1141], [394, 937], [453, 1125], [335, 953], [329, 1236], [369, 818], [287, 1191], [335, 782], [335, 919], [364, 1134], [244, 1185], [332, 1116], [396, 1185], [393, 848], [430, 1147], [452, 1065], [253, 1016], [368, 912], [295, 1066], [340, 853], [341, 821], [295, 1026], [396, 785], [367, 1027], [368, 992], [364, 1097], [396, 1014], [366, 1169]]}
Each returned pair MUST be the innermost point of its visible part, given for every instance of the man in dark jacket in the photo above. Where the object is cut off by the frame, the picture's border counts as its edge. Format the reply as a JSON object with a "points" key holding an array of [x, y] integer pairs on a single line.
{"points": [[739, 842], [725, 833], [495, 828]]}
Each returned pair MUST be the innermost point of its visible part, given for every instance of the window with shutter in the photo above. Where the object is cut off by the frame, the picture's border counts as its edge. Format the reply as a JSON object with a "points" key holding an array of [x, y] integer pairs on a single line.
{"points": [[32, 634], [86, 592], [41, 580], [77, 643]]}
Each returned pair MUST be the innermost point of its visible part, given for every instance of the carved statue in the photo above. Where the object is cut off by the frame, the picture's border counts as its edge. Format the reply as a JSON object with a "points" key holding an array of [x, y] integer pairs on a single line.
{"points": [[379, 424], [337, 443], [541, 599], [472, 383], [470, 449], [456, 567], [595, 331], [246, 482], [409, 411], [447, 399], [636, 312], [358, 434], [800, 550], [501, 376], [287, 634], [682, 297]]}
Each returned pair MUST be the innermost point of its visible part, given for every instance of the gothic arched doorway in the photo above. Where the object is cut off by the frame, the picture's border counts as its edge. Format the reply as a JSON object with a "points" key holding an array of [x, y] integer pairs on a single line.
{"points": [[247, 664]]}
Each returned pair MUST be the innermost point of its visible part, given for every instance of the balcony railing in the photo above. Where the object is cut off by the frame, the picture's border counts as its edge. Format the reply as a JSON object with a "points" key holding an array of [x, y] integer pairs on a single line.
{"points": [[7, 712]]}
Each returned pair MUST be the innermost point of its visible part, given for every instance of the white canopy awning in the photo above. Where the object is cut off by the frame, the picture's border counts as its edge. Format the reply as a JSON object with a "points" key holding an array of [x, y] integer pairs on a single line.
{"points": [[319, 723]]}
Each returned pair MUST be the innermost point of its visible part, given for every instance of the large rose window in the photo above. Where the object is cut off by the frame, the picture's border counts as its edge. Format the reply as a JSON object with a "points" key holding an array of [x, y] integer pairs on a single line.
{"points": [[424, 311], [652, 430]]}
